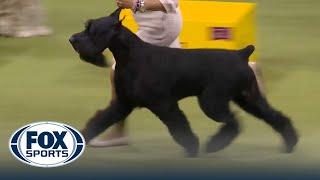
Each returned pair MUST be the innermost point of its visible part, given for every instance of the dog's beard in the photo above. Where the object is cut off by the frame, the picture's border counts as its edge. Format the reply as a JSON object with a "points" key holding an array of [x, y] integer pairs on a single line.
{"points": [[97, 60]]}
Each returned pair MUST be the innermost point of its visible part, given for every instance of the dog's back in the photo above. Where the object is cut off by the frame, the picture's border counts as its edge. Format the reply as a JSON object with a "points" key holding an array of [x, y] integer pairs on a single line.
{"points": [[186, 72]]}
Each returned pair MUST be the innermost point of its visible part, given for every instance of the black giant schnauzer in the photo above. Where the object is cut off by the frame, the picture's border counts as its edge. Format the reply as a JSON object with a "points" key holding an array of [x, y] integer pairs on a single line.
{"points": [[158, 77]]}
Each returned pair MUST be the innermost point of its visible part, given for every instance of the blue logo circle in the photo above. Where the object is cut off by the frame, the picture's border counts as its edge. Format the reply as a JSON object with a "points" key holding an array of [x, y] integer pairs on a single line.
{"points": [[47, 144]]}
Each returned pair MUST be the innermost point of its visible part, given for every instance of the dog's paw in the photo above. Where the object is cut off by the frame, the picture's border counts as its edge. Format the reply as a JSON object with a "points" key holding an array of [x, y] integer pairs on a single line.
{"points": [[193, 154], [291, 139], [192, 149], [85, 135], [222, 139], [215, 147]]}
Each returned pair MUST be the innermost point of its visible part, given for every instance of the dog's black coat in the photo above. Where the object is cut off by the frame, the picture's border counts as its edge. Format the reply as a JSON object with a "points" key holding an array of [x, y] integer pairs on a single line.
{"points": [[158, 77]]}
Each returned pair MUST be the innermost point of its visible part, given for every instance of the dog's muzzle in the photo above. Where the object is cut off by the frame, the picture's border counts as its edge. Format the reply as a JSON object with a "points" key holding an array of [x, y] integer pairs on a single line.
{"points": [[73, 41]]}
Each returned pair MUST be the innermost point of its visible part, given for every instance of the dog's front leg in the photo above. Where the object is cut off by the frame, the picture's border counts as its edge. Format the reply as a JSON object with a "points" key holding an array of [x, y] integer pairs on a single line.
{"points": [[178, 126], [103, 119]]}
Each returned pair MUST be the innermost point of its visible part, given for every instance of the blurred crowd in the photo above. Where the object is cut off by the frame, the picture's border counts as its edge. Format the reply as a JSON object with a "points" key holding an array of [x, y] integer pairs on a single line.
{"points": [[22, 18]]}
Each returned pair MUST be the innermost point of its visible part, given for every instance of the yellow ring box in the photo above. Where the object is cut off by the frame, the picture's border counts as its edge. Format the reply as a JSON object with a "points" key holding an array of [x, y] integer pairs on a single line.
{"points": [[212, 24]]}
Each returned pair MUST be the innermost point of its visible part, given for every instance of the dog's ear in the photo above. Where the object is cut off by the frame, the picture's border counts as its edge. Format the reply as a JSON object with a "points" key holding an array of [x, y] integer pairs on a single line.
{"points": [[116, 13], [97, 60], [88, 23], [119, 23]]}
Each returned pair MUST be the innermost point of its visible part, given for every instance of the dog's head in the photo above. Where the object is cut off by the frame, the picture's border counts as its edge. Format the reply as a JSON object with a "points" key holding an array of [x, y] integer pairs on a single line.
{"points": [[96, 37]]}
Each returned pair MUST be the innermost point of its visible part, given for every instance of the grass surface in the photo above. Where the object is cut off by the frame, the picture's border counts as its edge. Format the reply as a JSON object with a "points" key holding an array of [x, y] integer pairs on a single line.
{"points": [[42, 79]]}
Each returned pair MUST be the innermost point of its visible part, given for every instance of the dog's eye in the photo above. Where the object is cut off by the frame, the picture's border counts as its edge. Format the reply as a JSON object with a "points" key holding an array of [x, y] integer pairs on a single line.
{"points": [[87, 25], [88, 28]]}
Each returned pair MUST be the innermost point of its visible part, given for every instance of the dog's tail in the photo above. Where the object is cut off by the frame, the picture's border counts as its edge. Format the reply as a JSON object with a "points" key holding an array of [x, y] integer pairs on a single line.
{"points": [[246, 52]]}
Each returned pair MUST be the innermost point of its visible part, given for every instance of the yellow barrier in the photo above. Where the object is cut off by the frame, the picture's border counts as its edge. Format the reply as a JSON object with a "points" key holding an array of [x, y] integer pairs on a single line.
{"points": [[211, 24]]}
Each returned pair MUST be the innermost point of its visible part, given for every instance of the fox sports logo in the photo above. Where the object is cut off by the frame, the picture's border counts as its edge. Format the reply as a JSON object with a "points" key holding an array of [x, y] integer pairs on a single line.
{"points": [[47, 144]]}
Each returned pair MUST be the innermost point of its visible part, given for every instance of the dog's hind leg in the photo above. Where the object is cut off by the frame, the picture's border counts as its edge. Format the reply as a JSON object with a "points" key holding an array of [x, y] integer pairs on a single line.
{"points": [[217, 108], [254, 103], [178, 126], [105, 118]]}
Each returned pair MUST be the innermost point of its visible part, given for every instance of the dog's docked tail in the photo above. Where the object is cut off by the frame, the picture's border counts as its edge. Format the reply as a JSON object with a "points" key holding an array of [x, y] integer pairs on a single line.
{"points": [[246, 52]]}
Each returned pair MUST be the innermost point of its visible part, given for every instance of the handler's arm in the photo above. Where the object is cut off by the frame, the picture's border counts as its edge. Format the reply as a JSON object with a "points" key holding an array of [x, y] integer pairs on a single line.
{"points": [[162, 5]]}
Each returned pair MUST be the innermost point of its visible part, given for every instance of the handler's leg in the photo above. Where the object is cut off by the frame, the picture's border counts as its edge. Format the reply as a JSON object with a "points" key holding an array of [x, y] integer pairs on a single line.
{"points": [[117, 136], [257, 71]]}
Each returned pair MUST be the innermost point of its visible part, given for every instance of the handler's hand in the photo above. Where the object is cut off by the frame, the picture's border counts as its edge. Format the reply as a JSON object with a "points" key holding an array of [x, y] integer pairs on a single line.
{"points": [[125, 3]]}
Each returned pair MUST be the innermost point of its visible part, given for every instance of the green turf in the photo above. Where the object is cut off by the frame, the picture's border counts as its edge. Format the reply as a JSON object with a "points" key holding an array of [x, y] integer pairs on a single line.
{"points": [[42, 79]]}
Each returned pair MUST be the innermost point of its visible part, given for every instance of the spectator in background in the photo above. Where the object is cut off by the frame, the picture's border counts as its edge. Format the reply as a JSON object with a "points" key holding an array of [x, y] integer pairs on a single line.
{"points": [[22, 18], [160, 23]]}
